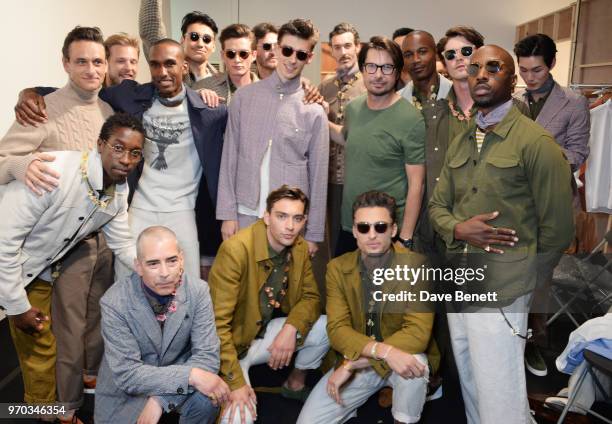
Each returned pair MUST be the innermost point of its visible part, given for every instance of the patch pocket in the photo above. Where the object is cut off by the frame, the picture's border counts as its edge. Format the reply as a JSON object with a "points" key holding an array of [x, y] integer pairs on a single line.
{"points": [[503, 175]]}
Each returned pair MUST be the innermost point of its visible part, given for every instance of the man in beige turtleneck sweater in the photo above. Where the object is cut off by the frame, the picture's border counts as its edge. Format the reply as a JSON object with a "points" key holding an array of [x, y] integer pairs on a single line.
{"points": [[75, 117]]}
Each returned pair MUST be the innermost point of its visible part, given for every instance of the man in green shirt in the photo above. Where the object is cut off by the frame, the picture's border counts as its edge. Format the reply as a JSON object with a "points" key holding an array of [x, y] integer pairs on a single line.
{"points": [[505, 196], [385, 143]]}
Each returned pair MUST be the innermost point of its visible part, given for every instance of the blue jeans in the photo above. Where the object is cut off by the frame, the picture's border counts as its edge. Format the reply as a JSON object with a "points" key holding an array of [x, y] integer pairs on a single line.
{"points": [[198, 409]]}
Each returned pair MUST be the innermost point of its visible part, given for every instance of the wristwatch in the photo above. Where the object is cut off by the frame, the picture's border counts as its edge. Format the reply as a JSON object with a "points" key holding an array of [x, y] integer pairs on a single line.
{"points": [[407, 243]]}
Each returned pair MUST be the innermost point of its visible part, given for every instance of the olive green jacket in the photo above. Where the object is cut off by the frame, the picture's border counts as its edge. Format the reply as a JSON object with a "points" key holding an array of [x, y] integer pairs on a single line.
{"points": [[240, 269], [346, 327], [522, 173]]}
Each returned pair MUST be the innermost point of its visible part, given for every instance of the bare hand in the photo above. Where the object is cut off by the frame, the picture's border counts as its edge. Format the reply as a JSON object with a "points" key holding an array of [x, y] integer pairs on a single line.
{"points": [[405, 364], [151, 413], [31, 321], [480, 234], [311, 93], [211, 98], [313, 247], [228, 229], [30, 109], [211, 385], [335, 382], [40, 176], [282, 348], [239, 398]]}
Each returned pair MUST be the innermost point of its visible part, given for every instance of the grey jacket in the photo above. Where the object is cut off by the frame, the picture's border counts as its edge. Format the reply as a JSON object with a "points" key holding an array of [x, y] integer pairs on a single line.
{"points": [[566, 116], [270, 113], [142, 361]]}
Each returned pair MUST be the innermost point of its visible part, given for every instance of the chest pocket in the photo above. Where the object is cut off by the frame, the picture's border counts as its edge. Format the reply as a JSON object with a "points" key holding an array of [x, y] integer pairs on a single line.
{"points": [[460, 172], [504, 175], [293, 140]]}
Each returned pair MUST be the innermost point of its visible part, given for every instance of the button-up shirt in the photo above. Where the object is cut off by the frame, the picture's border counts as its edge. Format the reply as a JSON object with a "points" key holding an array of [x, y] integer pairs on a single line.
{"points": [[271, 114]]}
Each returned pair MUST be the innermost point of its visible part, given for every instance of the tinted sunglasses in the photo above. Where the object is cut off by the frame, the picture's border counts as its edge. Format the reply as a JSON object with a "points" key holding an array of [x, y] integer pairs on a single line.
{"points": [[386, 69], [301, 55], [194, 36], [244, 54], [380, 227], [492, 67], [267, 46], [466, 51]]}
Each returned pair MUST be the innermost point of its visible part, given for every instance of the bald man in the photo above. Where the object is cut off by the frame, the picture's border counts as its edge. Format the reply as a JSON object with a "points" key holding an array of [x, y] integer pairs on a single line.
{"points": [[503, 204], [161, 350]]}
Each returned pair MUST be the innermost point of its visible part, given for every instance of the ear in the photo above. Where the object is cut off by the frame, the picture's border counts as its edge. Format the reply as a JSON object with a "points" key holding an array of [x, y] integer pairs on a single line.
{"points": [[65, 63], [354, 231], [138, 267], [266, 218], [310, 58], [358, 48], [100, 144], [393, 230], [185, 67], [513, 81], [552, 65]]}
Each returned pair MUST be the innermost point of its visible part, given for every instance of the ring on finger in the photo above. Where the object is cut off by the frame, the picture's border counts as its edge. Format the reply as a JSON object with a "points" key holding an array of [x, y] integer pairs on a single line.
{"points": [[487, 248], [494, 229]]}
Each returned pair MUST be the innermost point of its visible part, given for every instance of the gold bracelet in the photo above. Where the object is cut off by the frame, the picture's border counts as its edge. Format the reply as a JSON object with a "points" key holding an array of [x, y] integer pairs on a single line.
{"points": [[373, 351], [347, 365]]}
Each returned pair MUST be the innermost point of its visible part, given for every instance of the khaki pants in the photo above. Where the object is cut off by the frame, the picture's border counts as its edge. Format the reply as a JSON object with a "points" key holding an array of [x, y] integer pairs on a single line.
{"points": [[36, 352]]}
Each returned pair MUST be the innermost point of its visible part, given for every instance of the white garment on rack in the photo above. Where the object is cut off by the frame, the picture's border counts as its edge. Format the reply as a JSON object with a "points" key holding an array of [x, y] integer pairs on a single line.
{"points": [[598, 178]]}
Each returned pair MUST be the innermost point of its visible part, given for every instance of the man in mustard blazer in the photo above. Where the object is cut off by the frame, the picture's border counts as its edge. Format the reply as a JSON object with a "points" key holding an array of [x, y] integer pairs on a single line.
{"points": [[382, 340], [266, 302]]}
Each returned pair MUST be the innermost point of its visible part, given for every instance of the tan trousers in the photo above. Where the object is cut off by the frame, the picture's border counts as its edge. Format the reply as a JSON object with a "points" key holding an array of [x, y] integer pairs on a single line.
{"points": [[87, 272]]}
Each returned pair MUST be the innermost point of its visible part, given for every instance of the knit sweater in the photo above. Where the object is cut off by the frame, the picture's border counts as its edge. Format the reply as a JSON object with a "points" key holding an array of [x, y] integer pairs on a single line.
{"points": [[75, 118]]}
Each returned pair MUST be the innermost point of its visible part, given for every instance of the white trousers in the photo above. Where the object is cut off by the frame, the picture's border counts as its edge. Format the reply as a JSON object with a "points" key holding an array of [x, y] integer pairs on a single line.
{"points": [[408, 397], [184, 226], [489, 359], [309, 354]]}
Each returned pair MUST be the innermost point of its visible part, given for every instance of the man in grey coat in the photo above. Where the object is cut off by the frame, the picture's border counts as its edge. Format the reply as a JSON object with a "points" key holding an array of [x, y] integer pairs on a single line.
{"points": [[161, 350]]}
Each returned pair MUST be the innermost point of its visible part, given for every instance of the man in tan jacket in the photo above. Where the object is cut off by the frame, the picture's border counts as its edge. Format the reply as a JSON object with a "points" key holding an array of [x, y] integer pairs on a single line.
{"points": [[267, 303], [380, 337]]}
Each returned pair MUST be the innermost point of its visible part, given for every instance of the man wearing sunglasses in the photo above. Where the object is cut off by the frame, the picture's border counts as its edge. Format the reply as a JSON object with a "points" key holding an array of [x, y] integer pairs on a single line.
{"points": [[273, 138], [378, 342], [198, 37], [338, 90], [237, 54], [503, 203], [266, 37]]}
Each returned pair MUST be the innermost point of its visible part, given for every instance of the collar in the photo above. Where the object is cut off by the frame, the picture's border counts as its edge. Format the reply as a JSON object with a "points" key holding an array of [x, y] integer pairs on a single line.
{"points": [[83, 95], [546, 88], [503, 127], [286, 87], [95, 174], [444, 87], [345, 77], [494, 117], [172, 101]]}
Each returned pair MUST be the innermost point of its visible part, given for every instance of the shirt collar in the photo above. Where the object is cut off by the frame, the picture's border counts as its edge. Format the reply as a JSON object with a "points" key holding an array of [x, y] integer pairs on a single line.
{"points": [[346, 76], [286, 87]]}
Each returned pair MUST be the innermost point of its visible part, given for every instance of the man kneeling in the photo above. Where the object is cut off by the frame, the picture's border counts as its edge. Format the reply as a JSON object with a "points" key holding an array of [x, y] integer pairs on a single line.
{"points": [[161, 351], [267, 303], [381, 343]]}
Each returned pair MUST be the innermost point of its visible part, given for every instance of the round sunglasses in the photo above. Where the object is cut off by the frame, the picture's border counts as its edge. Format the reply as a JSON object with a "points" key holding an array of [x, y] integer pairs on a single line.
{"points": [[267, 46], [492, 67], [231, 54], [301, 55], [194, 36], [380, 227], [466, 51]]}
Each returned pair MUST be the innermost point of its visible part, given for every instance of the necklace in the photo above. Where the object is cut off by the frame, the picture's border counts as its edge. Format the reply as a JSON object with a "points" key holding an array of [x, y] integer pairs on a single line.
{"points": [[460, 115], [432, 97], [341, 95], [91, 193]]}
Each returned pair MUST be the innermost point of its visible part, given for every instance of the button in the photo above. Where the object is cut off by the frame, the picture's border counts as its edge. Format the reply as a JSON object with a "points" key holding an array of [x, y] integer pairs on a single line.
{"points": [[171, 406], [475, 162], [266, 267], [437, 178], [230, 376], [81, 218], [474, 190], [66, 240], [48, 259], [435, 149], [30, 275], [434, 117], [180, 390]]}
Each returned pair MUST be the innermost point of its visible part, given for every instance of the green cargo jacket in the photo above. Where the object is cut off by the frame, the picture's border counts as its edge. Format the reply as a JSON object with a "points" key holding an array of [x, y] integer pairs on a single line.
{"points": [[522, 173], [240, 269], [409, 331]]}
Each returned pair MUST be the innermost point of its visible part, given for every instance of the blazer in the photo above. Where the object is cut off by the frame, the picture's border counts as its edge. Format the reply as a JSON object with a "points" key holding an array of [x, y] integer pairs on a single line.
{"points": [[36, 232], [240, 269], [566, 116], [346, 327], [140, 360]]}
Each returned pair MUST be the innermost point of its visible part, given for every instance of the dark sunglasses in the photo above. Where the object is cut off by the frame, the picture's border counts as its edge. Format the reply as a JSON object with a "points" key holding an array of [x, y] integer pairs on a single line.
{"points": [[194, 36], [380, 227], [244, 54], [492, 67], [300, 54], [466, 51], [386, 69], [267, 46]]}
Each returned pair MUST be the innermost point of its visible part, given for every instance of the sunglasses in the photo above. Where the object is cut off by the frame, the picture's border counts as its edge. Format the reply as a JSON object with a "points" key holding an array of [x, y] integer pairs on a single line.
{"points": [[492, 67], [301, 55], [380, 227], [267, 46], [194, 36], [466, 51], [386, 69], [231, 54]]}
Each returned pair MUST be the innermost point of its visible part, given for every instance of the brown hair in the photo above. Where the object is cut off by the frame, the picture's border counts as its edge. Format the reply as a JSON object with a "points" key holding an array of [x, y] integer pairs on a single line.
{"points": [[375, 199], [286, 192], [301, 28], [236, 31], [379, 42], [80, 33], [467, 32], [342, 28], [262, 29], [121, 39]]}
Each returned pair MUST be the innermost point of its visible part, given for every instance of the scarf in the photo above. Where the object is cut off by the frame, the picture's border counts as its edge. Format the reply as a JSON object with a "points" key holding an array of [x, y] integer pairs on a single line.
{"points": [[494, 117]]}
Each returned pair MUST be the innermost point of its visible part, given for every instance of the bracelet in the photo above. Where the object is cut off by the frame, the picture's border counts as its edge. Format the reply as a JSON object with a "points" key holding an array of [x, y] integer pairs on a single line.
{"points": [[347, 365], [386, 353], [373, 351]]}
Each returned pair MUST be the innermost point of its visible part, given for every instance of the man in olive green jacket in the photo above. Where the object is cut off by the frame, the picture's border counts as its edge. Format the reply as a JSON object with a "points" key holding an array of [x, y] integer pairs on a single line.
{"points": [[382, 340], [504, 197], [267, 304]]}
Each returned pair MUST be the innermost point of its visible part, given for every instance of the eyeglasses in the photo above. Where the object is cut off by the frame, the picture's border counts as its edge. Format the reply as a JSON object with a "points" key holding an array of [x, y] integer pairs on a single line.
{"points": [[386, 69], [194, 36], [267, 46], [466, 51], [231, 54], [492, 67], [119, 151], [301, 55], [380, 227]]}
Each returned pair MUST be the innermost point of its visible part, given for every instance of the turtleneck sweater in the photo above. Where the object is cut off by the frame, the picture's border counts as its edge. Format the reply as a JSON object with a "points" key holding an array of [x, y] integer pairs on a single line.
{"points": [[75, 117]]}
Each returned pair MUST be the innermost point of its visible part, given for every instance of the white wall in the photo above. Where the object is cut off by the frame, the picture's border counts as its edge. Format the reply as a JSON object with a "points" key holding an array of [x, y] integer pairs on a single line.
{"points": [[32, 35]]}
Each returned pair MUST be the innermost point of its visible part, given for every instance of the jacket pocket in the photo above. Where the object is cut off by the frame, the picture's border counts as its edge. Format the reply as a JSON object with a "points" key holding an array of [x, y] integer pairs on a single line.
{"points": [[504, 175]]}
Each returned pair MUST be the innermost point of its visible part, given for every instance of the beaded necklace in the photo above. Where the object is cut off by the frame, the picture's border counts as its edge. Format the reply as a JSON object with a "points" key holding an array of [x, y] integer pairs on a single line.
{"points": [[91, 193]]}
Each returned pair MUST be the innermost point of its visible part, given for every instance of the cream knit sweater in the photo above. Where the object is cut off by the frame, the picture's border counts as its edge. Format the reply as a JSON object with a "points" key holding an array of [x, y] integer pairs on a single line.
{"points": [[75, 118]]}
